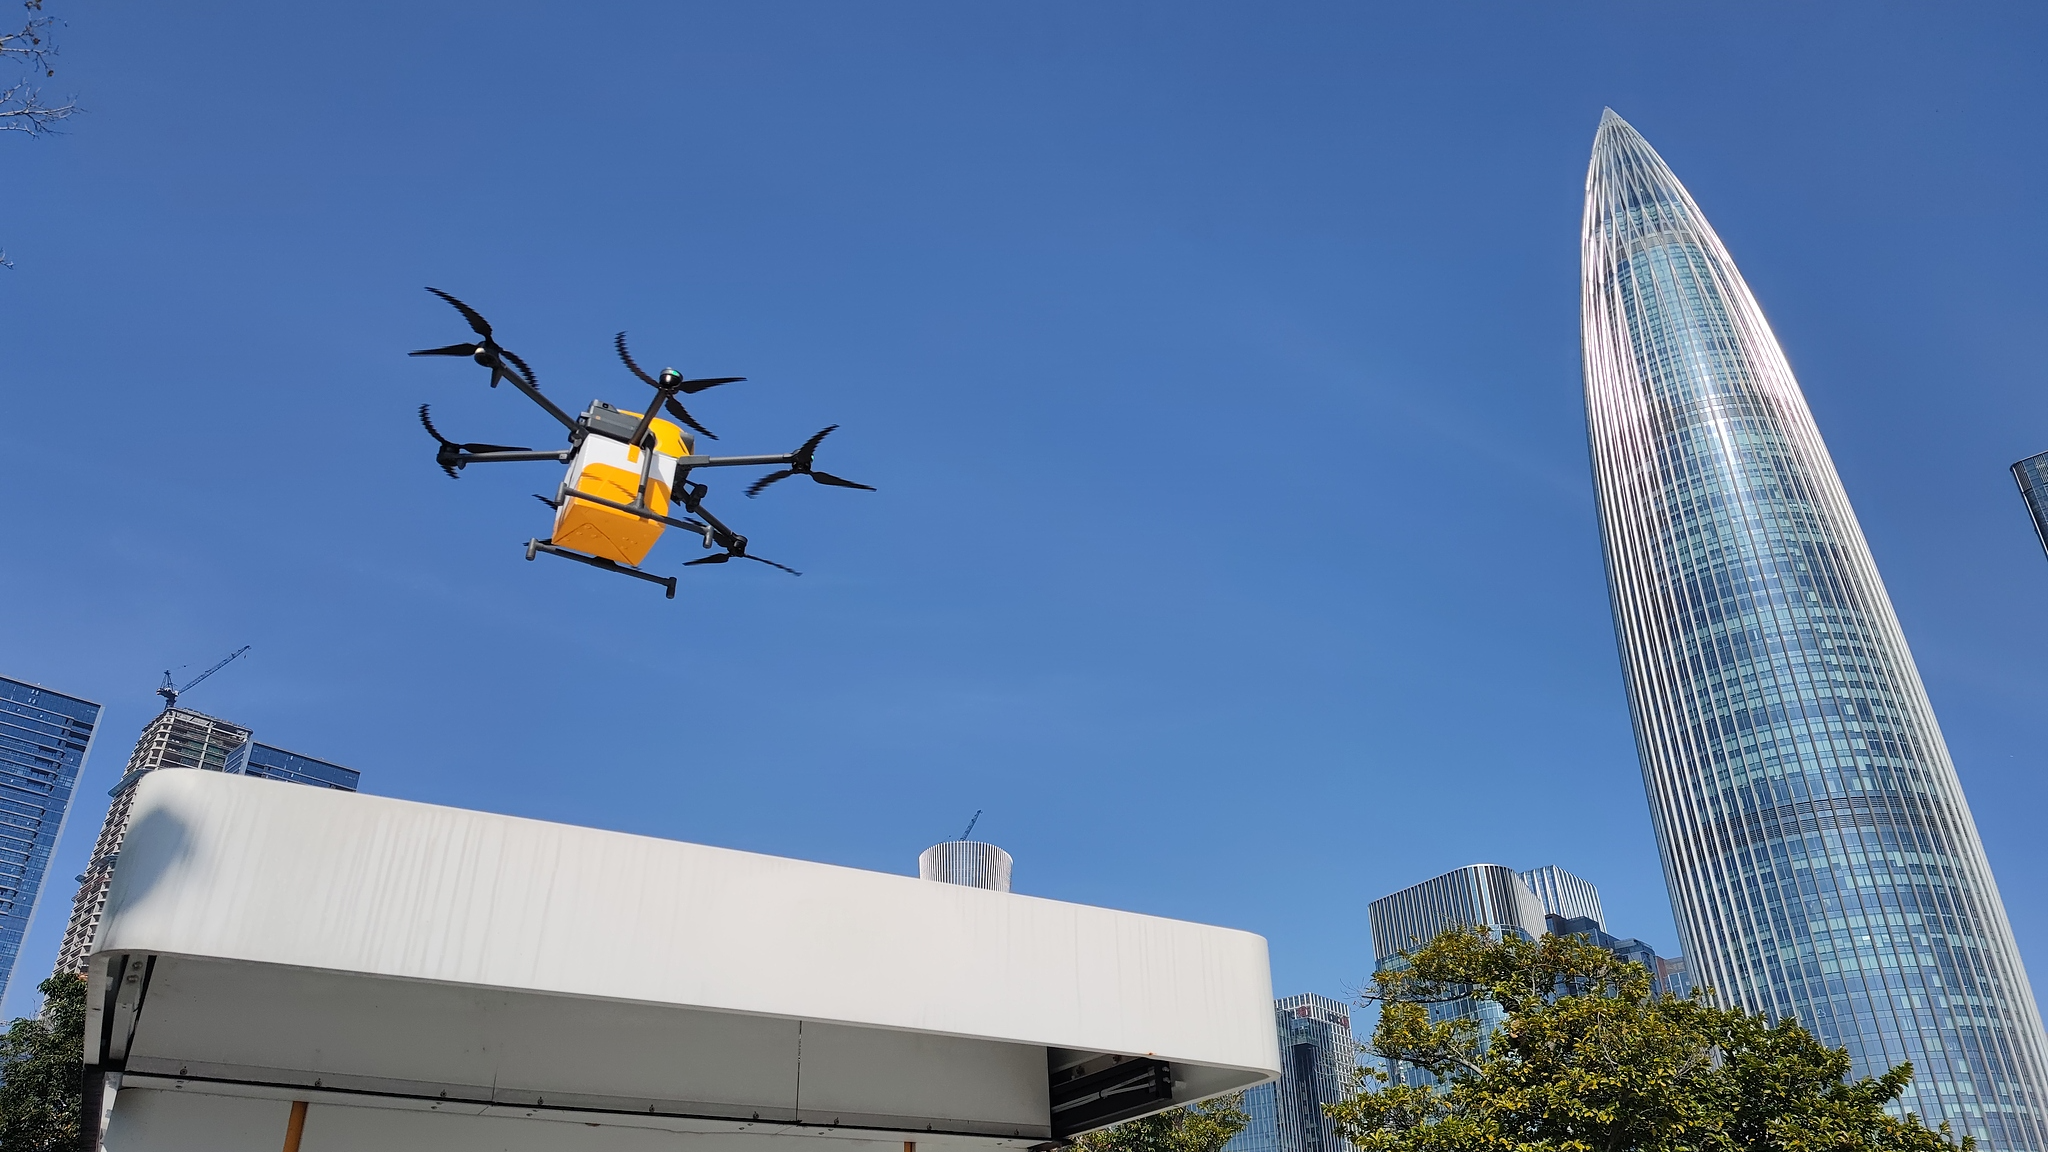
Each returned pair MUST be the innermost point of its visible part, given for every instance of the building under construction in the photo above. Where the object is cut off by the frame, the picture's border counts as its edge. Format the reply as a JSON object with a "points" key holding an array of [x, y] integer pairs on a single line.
{"points": [[178, 738]]}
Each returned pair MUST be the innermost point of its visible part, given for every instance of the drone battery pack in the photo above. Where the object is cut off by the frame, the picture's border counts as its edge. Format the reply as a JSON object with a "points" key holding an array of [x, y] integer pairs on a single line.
{"points": [[611, 470]]}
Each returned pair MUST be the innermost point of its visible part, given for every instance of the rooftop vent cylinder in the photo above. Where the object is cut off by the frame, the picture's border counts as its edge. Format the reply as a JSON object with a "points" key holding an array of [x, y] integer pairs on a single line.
{"points": [[968, 862]]}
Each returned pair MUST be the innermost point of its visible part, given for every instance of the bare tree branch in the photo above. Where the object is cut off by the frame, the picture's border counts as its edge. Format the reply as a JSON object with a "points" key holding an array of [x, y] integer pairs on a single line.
{"points": [[32, 45], [33, 48], [22, 110]]}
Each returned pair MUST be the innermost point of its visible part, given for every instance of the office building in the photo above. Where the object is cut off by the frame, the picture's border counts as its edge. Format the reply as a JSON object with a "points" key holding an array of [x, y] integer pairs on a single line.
{"points": [[1564, 894], [1488, 896], [1571, 907], [1317, 1060], [2032, 474], [178, 738], [1821, 859], [45, 737], [1673, 978], [1503, 902]]}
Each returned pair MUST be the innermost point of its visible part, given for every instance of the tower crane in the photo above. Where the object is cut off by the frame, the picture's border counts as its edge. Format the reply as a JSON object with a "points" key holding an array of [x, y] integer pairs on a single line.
{"points": [[171, 694]]}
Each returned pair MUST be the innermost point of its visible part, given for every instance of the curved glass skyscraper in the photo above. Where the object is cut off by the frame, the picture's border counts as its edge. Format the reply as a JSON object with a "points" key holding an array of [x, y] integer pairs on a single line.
{"points": [[1821, 859]]}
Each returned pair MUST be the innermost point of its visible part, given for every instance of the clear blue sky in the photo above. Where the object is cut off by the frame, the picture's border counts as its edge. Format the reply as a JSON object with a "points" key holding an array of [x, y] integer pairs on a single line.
{"points": [[1218, 367]]}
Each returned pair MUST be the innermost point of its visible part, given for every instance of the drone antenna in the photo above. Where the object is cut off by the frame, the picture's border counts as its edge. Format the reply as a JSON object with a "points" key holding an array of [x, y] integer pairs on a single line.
{"points": [[171, 694], [971, 824]]}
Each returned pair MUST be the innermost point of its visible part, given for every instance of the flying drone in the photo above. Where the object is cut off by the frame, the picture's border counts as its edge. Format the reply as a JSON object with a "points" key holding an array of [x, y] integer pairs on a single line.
{"points": [[628, 471]]}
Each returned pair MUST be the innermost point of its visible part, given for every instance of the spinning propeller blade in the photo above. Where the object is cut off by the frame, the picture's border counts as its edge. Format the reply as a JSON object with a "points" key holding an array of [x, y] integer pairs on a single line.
{"points": [[619, 342], [450, 350], [451, 453], [531, 380], [670, 378], [722, 557], [773, 564], [681, 413], [477, 323], [800, 465], [756, 488], [692, 387]]}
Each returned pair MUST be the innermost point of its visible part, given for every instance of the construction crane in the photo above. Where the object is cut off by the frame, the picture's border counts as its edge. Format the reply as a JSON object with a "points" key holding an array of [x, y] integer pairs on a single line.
{"points": [[971, 824], [171, 694]]}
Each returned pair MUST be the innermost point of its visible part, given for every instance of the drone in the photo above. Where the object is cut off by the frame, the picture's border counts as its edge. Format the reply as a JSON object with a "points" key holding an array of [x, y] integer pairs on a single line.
{"points": [[629, 472]]}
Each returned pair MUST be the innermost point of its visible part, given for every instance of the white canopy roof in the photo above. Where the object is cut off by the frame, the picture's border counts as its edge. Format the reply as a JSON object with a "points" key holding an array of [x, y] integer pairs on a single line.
{"points": [[434, 977]]}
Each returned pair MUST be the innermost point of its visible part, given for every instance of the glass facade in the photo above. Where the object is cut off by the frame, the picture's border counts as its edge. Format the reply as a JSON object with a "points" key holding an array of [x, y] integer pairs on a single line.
{"points": [[178, 738], [1317, 1058], [1821, 859], [44, 739], [2032, 473], [278, 764], [1564, 894], [1489, 896], [1502, 901]]}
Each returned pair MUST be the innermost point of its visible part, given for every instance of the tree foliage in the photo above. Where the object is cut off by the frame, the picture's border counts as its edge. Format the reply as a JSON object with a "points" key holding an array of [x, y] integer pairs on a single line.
{"points": [[42, 1071], [1590, 1060], [1204, 1127]]}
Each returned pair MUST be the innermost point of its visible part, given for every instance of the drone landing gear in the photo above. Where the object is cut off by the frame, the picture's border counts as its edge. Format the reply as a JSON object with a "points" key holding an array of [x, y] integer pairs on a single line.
{"points": [[535, 547]]}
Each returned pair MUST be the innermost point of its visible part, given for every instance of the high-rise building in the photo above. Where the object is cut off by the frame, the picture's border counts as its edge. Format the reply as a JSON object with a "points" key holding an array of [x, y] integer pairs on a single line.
{"points": [[1317, 1060], [1821, 859], [1546, 900], [1489, 896], [2032, 473], [178, 738], [1564, 894], [45, 737]]}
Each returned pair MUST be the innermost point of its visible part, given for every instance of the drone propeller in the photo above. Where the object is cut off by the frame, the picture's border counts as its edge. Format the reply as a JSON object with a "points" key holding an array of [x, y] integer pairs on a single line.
{"points": [[800, 465], [670, 378], [450, 454], [484, 351], [681, 413], [670, 383], [722, 557]]}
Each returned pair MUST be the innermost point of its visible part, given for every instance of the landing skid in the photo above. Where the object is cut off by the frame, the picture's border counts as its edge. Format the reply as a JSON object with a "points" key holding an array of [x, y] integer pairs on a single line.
{"points": [[535, 547]]}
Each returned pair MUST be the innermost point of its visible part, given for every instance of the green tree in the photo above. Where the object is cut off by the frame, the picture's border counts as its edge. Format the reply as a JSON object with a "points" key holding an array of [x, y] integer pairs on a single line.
{"points": [[1590, 1060], [1204, 1127], [42, 1071]]}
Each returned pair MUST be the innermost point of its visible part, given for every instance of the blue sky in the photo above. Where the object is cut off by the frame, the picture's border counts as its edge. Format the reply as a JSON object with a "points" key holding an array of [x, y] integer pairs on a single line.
{"points": [[1218, 368]]}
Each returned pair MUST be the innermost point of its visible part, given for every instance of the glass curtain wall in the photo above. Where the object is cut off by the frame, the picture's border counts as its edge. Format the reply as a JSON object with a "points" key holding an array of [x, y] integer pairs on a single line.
{"points": [[1821, 858], [44, 739]]}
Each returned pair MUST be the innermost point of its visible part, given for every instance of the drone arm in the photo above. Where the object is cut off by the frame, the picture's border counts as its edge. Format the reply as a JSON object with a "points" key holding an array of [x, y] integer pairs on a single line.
{"points": [[735, 461], [534, 394], [465, 458], [662, 396], [718, 526]]}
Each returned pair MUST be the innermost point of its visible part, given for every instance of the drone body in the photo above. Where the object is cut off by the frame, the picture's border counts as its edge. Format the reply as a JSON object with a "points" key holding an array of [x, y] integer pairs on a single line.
{"points": [[627, 471], [615, 470]]}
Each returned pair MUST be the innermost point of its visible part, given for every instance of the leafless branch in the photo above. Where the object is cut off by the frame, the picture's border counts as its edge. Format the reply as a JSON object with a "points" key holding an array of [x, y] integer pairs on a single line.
{"points": [[33, 47], [22, 110]]}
